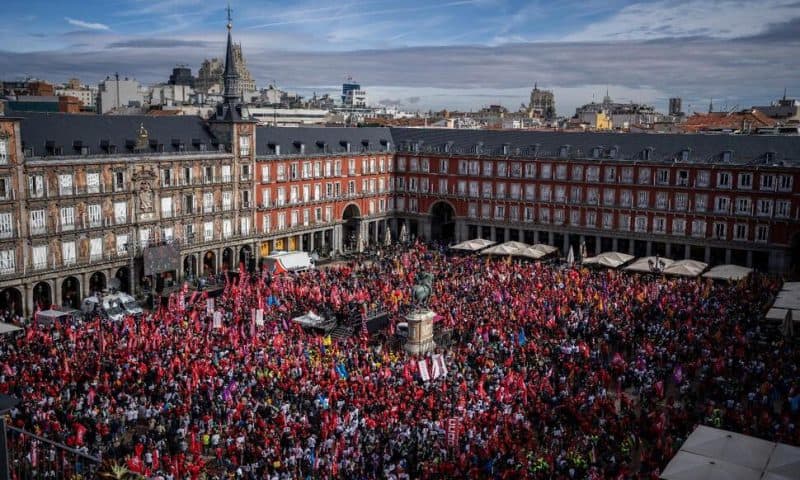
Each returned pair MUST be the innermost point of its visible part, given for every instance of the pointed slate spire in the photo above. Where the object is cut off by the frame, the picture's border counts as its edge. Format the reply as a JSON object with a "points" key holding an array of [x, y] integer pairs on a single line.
{"points": [[229, 76]]}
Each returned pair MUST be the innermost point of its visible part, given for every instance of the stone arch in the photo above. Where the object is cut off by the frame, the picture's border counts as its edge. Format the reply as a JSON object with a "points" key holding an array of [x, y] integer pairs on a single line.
{"points": [[351, 229], [210, 263], [228, 261], [71, 292], [97, 282], [190, 266], [246, 257], [124, 276], [11, 301], [42, 296], [443, 226]]}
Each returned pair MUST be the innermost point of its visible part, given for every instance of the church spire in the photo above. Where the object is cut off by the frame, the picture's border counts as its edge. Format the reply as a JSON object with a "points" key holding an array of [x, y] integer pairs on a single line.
{"points": [[230, 77]]}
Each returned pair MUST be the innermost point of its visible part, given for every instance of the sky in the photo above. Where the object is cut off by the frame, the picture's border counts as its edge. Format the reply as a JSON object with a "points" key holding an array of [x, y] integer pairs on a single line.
{"points": [[423, 54]]}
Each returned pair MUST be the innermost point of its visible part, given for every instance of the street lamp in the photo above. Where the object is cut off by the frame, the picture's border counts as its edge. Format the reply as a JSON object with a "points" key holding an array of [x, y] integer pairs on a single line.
{"points": [[657, 266]]}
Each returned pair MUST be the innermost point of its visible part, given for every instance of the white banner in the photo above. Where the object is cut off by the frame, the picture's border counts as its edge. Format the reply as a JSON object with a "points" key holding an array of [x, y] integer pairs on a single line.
{"points": [[439, 367], [217, 319], [423, 370], [260, 317], [210, 306]]}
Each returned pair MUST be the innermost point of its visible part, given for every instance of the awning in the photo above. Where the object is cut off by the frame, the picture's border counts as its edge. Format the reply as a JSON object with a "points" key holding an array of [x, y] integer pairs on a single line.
{"points": [[609, 259], [8, 328], [645, 264], [686, 268], [473, 245], [538, 251], [728, 272], [690, 466], [508, 248]]}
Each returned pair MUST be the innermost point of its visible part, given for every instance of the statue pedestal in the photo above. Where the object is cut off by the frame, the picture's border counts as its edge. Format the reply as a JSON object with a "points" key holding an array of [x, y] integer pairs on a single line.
{"points": [[420, 332]]}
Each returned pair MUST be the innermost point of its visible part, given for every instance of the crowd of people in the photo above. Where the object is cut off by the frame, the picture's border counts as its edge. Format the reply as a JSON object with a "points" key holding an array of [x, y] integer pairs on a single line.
{"points": [[553, 372]]}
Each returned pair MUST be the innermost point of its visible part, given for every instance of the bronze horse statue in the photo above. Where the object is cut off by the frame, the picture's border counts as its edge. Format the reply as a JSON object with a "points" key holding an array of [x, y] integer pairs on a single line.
{"points": [[422, 290]]}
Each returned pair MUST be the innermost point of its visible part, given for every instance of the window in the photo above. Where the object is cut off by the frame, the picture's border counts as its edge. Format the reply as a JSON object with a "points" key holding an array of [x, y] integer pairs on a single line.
{"points": [[627, 174], [561, 193], [281, 220], [122, 244], [499, 212], [682, 179], [576, 194], [703, 178], [68, 253], [486, 210], [547, 171], [67, 218], [660, 225], [611, 174], [39, 254], [678, 226], [401, 164], [544, 215], [472, 210], [662, 200], [413, 164], [318, 192], [351, 187], [723, 180], [528, 214], [625, 198], [3, 151], [337, 168], [745, 181], [65, 184], [226, 174], [280, 173], [558, 216], [700, 202], [307, 170], [764, 207], [544, 193], [36, 186], [227, 200], [373, 169], [530, 192], [740, 231], [208, 231], [294, 193], [412, 184], [501, 190], [166, 207], [513, 213], [608, 221], [328, 214], [530, 170], [119, 181], [463, 167], [720, 230], [245, 172], [8, 260], [641, 224], [762, 233], [208, 174], [244, 145], [743, 206], [306, 193], [782, 208], [144, 237], [681, 201], [6, 225], [624, 222], [644, 176], [722, 205], [227, 228], [442, 185], [591, 219], [642, 199], [167, 234], [265, 224], [266, 197], [502, 169], [38, 224], [577, 173], [593, 174], [93, 182], [443, 164], [208, 202], [592, 195], [516, 170], [561, 171], [95, 249], [294, 171], [698, 228], [662, 176], [609, 196], [265, 173], [488, 168], [785, 183]]}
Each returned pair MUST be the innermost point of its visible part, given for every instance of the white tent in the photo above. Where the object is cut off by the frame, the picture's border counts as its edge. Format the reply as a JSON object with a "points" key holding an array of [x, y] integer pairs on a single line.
{"points": [[690, 466], [645, 264], [609, 259], [473, 245], [538, 251], [686, 268], [508, 248], [728, 272], [784, 463], [728, 446], [8, 328]]}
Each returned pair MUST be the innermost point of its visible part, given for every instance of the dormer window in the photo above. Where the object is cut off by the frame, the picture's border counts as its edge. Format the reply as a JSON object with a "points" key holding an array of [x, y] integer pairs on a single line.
{"points": [[563, 151], [596, 152], [647, 154], [685, 155], [346, 145], [727, 156], [506, 149], [769, 156], [613, 152], [300, 146], [448, 147], [479, 148]]}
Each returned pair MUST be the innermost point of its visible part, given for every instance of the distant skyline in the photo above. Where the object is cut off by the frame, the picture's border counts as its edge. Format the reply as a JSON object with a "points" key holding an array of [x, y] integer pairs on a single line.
{"points": [[420, 55]]}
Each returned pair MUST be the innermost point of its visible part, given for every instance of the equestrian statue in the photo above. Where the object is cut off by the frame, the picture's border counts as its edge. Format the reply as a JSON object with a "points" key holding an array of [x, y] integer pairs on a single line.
{"points": [[422, 290]]}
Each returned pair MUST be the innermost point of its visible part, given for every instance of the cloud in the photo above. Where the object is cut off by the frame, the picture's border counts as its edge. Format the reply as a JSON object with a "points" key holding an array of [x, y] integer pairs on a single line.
{"points": [[159, 43], [87, 25]]}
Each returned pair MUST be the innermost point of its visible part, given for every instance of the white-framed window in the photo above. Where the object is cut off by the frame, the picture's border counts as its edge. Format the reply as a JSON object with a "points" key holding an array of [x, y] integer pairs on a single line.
{"points": [[67, 218], [528, 214], [767, 182], [561, 171], [611, 174], [678, 226], [722, 205], [295, 218], [68, 253], [700, 202], [208, 231], [65, 184], [227, 176], [593, 174], [227, 228], [782, 208], [624, 223], [36, 186], [167, 234], [93, 182], [144, 237], [561, 193], [39, 256], [743, 206], [745, 181], [281, 198], [609, 196], [547, 171], [307, 170], [703, 178], [281, 220], [682, 178], [265, 173], [294, 170], [472, 210], [486, 210], [280, 172], [266, 197], [502, 169], [592, 195], [443, 165], [642, 199], [122, 244], [558, 216], [577, 173], [724, 180], [244, 145], [401, 164], [306, 193], [95, 249], [328, 214], [762, 233], [662, 176], [227, 200], [698, 228], [265, 224], [720, 230], [3, 151], [38, 222], [515, 170], [413, 165], [6, 225], [488, 168], [764, 208], [442, 186], [591, 219], [208, 202], [499, 212], [530, 170], [662, 200], [575, 217], [576, 194], [644, 175], [681, 201], [545, 192], [513, 213], [627, 175], [641, 223], [166, 207], [8, 260], [244, 226], [625, 198], [501, 190], [659, 225], [785, 183], [544, 215], [530, 192], [740, 231], [608, 221]]}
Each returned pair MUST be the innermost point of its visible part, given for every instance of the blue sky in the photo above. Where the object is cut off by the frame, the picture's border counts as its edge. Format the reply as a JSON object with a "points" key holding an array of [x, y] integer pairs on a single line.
{"points": [[420, 54]]}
